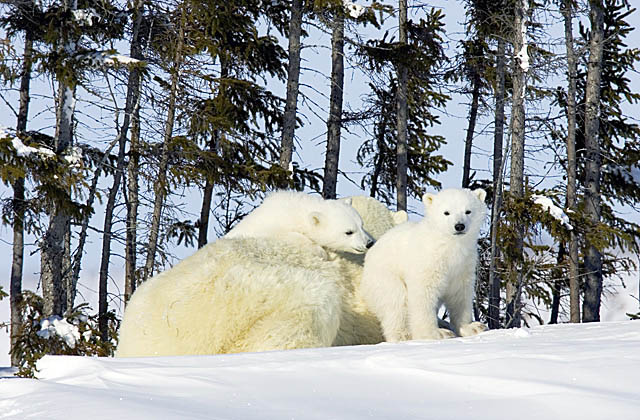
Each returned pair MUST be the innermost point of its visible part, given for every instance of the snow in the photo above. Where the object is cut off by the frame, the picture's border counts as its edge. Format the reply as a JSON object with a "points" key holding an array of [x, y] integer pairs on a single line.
{"points": [[523, 55], [585, 371], [55, 325], [84, 17], [555, 211], [105, 58], [25, 151], [354, 10], [74, 157]]}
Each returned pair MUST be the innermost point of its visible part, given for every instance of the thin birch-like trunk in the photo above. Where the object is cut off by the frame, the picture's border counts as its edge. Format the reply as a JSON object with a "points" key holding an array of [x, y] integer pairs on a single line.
{"points": [[293, 76], [334, 122], [593, 257], [15, 287], [574, 280], [402, 115], [498, 140], [514, 286], [471, 128]]}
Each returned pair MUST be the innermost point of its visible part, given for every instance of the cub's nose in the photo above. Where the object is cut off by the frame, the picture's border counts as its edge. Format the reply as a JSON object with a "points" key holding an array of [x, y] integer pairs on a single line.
{"points": [[370, 243], [459, 227]]}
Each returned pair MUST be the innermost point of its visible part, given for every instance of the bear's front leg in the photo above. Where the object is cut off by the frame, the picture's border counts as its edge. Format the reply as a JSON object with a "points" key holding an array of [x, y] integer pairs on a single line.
{"points": [[422, 305], [460, 308]]}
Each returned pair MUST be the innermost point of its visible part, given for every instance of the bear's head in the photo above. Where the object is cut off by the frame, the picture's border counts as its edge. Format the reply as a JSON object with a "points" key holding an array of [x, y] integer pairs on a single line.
{"points": [[338, 227], [456, 212]]}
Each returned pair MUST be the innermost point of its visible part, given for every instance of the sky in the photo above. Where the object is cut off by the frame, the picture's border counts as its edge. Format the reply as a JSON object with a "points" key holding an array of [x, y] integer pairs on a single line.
{"points": [[570, 371], [311, 153]]}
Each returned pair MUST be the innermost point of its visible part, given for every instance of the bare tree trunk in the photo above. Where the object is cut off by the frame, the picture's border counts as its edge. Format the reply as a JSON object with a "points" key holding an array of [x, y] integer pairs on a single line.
{"points": [[402, 146], [52, 250], [293, 76], [574, 281], [15, 287], [334, 122], [471, 128], [377, 168], [161, 181], [498, 140], [130, 190], [558, 285], [593, 258], [514, 286]]}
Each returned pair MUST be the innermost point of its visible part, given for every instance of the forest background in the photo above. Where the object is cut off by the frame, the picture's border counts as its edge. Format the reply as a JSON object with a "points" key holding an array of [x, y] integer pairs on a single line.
{"points": [[236, 86]]}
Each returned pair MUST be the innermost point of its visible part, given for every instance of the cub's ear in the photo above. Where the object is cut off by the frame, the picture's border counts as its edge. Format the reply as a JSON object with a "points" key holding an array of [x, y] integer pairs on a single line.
{"points": [[315, 218], [427, 199], [346, 200], [399, 217], [480, 193]]}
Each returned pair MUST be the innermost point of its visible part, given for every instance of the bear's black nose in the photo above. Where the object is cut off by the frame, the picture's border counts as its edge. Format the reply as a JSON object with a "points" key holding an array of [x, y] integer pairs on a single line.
{"points": [[370, 243], [459, 227]]}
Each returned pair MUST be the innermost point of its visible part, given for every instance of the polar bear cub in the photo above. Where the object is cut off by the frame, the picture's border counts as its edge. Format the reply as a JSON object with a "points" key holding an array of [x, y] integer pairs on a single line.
{"points": [[310, 220], [416, 267]]}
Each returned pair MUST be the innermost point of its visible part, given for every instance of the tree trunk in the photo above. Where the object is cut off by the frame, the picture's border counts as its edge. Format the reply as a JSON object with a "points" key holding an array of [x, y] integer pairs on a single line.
{"points": [[130, 190], [52, 250], [402, 146], [15, 287], [593, 258], [334, 122], [574, 281], [207, 195], [558, 285], [471, 128], [514, 286], [498, 140], [161, 182], [293, 76]]}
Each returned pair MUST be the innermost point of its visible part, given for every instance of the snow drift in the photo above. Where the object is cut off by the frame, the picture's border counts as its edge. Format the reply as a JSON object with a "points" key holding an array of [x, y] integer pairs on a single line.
{"points": [[586, 371]]}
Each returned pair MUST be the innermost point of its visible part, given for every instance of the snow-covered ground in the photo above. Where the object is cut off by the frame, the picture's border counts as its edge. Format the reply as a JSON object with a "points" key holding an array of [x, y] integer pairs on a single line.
{"points": [[585, 371]]}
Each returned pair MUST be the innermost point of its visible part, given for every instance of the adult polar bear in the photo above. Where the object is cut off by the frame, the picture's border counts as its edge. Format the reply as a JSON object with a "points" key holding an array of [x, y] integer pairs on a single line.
{"points": [[270, 292], [416, 267]]}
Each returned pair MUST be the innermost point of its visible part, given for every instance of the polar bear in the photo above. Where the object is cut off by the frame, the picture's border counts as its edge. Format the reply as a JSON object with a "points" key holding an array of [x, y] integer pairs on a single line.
{"points": [[261, 287], [307, 219], [358, 325], [415, 267]]}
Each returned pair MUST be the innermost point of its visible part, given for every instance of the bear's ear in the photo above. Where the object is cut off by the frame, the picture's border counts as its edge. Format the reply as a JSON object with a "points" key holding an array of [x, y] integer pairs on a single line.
{"points": [[399, 217], [315, 218], [427, 199], [346, 200], [480, 193]]}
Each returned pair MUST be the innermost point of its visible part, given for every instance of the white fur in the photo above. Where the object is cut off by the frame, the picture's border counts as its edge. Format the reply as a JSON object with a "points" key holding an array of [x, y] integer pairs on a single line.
{"points": [[262, 287], [331, 224], [416, 267], [235, 295]]}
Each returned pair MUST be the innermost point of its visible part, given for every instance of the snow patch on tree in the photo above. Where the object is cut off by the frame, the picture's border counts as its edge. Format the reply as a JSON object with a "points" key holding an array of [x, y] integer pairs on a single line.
{"points": [[25, 151], [107, 59], [555, 211], [55, 325], [84, 17], [354, 10], [523, 55]]}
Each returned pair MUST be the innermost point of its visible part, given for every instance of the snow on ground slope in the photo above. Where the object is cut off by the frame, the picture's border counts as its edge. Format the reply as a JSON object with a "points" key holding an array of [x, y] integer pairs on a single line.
{"points": [[587, 371]]}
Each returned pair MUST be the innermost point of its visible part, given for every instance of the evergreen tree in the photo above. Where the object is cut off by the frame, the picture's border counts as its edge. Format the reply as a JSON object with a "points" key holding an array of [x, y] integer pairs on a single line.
{"points": [[422, 56]]}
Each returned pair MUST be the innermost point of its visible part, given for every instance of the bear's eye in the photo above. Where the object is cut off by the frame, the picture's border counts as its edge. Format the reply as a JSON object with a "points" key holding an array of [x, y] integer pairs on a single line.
{"points": [[446, 213], [349, 233], [467, 212]]}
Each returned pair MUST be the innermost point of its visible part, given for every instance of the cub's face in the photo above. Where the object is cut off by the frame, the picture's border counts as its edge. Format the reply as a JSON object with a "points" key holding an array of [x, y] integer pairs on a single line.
{"points": [[339, 228], [456, 212]]}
